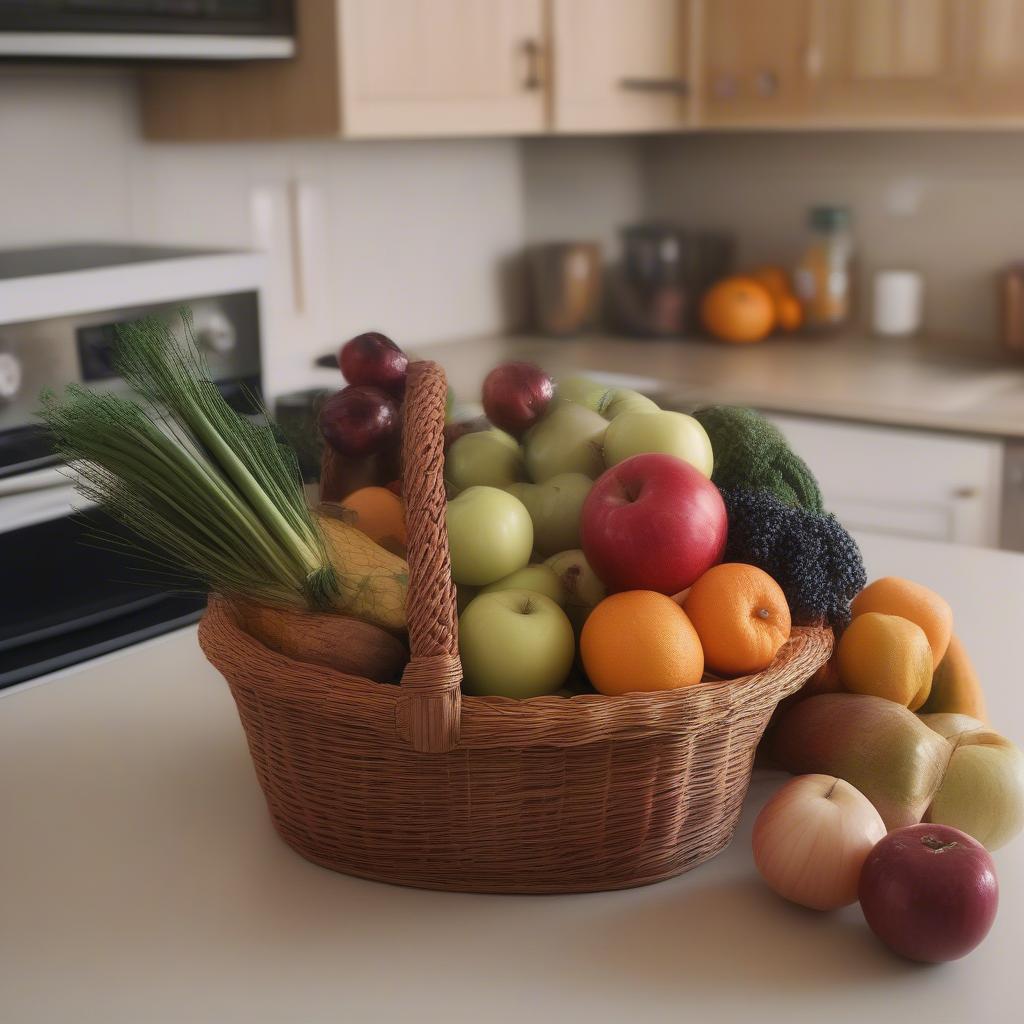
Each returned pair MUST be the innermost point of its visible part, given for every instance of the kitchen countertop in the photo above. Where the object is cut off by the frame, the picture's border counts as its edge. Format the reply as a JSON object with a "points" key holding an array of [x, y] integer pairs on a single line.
{"points": [[142, 881], [894, 382]]}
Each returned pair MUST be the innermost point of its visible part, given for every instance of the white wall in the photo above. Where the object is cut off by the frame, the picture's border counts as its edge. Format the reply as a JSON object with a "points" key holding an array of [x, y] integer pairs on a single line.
{"points": [[410, 238], [583, 189], [946, 204]]}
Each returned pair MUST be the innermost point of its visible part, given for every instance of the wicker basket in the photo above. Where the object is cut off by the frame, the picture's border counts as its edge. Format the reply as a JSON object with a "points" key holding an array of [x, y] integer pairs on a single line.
{"points": [[419, 785]]}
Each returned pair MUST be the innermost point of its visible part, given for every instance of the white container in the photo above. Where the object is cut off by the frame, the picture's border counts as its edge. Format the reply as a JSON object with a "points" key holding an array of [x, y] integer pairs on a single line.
{"points": [[898, 302]]}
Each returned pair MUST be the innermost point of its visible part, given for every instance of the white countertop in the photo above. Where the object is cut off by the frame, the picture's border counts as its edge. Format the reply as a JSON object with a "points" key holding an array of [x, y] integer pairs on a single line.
{"points": [[140, 881], [903, 383]]}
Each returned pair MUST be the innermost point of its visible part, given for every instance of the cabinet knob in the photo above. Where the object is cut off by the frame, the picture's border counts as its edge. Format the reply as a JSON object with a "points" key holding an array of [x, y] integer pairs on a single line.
{"points": [[766, 83], [724, 85]]}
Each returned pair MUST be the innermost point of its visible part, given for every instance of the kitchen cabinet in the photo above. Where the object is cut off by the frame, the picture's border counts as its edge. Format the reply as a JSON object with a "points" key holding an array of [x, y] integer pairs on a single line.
{"points": [[994, 32], [876, 61], [371, 68], [757, 61], [909, 483], [622, 67]]}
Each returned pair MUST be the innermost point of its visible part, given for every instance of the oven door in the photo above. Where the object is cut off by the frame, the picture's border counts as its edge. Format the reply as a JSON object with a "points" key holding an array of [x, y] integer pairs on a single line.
{"points": [[147, 29], [70, 592]]}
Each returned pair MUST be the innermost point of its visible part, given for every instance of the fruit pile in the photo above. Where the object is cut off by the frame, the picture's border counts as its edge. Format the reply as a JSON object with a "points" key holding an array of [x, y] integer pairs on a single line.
{"points": [[600, 543], [745, 308], [587, 535], [898, 809]]}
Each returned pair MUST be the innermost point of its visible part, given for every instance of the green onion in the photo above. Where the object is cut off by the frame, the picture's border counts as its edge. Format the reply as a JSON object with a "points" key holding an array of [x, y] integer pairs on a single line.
{"points": [[216, 494]]}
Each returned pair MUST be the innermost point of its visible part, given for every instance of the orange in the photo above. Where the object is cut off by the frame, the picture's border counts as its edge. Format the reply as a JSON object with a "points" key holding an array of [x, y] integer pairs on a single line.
{"points": [[738, 309], [775, 279], [741, 616], [789, 314], [896, 596], [886, 656], [638, 640], [380, 514]]}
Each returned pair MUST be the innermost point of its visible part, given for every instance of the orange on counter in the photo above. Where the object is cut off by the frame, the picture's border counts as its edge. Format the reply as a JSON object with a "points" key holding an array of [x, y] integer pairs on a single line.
{"points": [[789, 314], [893, 595], [886, 656], [738, 309], [741, 616], [380, 514], [774, 278], [639, 640]]}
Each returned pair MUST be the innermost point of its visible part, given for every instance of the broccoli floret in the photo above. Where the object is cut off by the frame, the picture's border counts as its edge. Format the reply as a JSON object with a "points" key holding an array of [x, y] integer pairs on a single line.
{"points": [[750, 452], [815, 561]]}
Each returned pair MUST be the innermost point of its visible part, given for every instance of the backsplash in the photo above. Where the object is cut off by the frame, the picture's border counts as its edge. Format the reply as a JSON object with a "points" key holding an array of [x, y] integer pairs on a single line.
{"points": [[376, 221], [946, 204]]}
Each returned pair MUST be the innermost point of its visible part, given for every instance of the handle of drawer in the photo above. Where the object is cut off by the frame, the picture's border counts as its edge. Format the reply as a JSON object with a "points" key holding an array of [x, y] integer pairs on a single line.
{"points": [[675, 86]]}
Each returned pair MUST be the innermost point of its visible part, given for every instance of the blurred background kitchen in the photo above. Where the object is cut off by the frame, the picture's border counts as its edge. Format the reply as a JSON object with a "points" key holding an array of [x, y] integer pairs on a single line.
{"points": [[558, 180]]}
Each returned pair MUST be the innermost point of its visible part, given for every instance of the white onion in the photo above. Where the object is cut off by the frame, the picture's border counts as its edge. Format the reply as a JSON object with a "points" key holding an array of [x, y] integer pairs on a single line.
{"points": [[811, 840]]}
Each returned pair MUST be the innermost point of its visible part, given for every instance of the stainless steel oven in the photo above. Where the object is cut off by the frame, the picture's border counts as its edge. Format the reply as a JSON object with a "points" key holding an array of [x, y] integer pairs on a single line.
{"points": [[147, 29], [68, 593]]}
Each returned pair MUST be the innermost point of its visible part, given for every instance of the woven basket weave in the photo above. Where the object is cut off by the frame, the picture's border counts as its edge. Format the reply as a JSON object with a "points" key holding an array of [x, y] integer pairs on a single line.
{"points": [[419, 785]]}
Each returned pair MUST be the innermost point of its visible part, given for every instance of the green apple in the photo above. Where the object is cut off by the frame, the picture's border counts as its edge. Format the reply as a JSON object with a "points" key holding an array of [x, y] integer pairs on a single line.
{"points": [[490, 534], [671, 433], [555, 507], [616, 401], [583, 590], [538, 579], [515, 643], [567, 440], [488, 457], [581, 390]]}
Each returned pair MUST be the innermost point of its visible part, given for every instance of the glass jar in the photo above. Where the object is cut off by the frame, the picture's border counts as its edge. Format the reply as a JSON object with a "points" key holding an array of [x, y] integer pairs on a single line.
{"points": [[823, 279]]}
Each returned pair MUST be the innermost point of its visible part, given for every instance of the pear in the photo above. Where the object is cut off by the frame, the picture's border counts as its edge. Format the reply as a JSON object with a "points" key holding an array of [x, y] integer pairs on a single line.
{"points": [[956, 688], [942, 768], [878, 746], [555, 508]]}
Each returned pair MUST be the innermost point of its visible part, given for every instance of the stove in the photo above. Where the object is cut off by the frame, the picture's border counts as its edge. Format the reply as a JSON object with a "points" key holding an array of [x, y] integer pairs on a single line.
{"points": [[68, 595]]}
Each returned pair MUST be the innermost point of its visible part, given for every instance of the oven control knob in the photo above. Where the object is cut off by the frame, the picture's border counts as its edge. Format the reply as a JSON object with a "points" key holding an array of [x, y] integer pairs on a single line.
{"points": [[215, 333], [10, 376]]}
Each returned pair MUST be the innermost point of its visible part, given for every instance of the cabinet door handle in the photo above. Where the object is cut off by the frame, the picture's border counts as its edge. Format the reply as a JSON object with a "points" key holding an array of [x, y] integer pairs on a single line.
{"points": [[534, 65], [966, 493], [675, 86]]}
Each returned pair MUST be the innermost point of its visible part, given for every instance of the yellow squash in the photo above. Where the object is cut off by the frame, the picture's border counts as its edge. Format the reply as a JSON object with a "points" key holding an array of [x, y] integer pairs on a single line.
{"points": [[373, 583]]}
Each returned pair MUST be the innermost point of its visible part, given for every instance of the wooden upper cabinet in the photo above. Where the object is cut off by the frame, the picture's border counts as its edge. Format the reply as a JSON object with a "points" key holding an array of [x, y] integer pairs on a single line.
{"points": [[881, 61], [995, 61], [442, 67], [757, 57], [622, 65], [370, 68]]}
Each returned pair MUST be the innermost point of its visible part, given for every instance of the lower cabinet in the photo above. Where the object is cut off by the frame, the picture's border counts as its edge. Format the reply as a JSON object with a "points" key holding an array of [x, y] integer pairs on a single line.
{"points": [[909, 483]]}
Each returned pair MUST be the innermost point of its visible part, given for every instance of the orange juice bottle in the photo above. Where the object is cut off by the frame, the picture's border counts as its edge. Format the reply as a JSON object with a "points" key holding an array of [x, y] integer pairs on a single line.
{"points": [[823, 279]]}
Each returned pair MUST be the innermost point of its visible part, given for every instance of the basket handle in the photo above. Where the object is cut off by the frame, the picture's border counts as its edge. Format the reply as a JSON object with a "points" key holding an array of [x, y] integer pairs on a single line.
{"points": [[429, 707]]}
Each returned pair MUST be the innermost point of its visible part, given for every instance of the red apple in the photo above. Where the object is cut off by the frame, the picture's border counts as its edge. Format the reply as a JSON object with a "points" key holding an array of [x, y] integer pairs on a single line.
{"points": [[516, 395], [376, 360], [929, 892], [358, 421], [653, 522]]}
